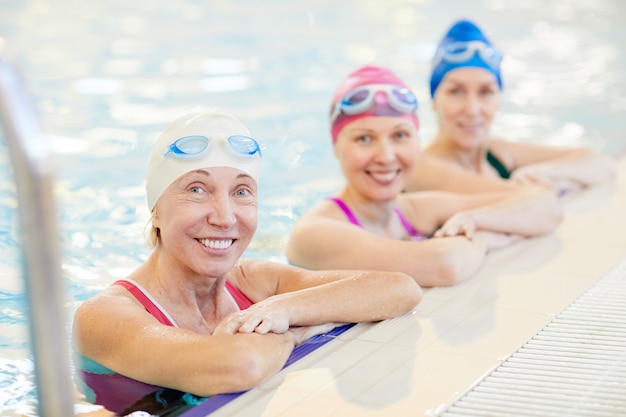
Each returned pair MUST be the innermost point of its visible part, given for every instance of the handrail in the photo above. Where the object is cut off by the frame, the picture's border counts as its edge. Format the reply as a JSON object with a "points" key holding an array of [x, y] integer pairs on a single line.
{"points": [[32, 169]]}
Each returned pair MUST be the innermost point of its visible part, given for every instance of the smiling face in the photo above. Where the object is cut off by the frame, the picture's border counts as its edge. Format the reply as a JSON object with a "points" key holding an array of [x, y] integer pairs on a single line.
{"points": [[376, 154], [466, 102], [206, 220]]}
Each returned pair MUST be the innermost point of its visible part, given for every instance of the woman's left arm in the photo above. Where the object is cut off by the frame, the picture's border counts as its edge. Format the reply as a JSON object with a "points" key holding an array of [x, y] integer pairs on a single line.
{"points": [[528, 211], [554, 165], [288, 296]]}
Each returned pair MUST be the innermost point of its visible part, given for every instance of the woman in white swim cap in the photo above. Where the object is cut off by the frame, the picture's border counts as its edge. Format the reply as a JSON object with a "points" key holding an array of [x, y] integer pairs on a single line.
{"points": [[195, 317]]}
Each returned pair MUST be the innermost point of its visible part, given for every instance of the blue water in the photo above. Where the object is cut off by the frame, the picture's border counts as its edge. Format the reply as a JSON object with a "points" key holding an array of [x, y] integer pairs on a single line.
{"points": [[108, 76]]}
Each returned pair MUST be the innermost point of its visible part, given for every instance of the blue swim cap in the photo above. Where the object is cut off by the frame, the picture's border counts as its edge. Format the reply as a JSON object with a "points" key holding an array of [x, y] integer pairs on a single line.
{"points": [[464, 45]]}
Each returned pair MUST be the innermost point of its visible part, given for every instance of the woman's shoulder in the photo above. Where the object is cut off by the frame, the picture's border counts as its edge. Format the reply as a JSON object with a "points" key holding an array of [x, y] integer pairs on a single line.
{"points": [[435, 151], [112, 299], [326, 209], [251, 267], [496, 144]]}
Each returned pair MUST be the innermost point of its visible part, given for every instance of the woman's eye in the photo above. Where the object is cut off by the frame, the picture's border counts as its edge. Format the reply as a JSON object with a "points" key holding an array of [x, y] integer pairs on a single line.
{"points": [[363, 138], [195, 190], [242, 192], [402, 134]]}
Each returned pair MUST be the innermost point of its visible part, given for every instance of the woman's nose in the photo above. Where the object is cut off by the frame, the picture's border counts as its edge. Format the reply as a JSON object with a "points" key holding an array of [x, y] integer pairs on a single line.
{"points": [[385, 151], [472, 104], [222, 214]]}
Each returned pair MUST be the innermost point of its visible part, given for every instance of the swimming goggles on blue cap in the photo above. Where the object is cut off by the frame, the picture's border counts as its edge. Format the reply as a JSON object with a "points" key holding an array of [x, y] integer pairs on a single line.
{"points": [[192, 147], [459, 52], [361, 99]]}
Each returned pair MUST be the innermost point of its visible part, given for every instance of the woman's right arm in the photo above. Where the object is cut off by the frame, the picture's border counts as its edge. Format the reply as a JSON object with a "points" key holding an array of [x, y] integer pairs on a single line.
{"points": [[321, 243], [122, 336]]}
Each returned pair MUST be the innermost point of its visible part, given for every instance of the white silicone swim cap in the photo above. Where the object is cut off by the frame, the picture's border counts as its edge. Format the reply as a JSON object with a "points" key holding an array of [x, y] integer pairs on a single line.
{"points": [[164, 167]]}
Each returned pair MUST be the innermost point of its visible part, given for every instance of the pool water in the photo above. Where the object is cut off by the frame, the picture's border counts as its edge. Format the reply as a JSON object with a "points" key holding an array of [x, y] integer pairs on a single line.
{"points": [[107, 77]]}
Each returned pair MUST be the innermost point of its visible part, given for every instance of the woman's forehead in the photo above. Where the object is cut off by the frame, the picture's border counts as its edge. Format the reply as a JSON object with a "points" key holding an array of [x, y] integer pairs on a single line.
{"points": [[215, 174], [378, 123], [470, 75]]}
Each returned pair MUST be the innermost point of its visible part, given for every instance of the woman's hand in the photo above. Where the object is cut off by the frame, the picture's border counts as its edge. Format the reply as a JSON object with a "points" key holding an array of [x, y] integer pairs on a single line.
{"points": [[534, 175], [263, 317], [460, 224], [267, 317]]}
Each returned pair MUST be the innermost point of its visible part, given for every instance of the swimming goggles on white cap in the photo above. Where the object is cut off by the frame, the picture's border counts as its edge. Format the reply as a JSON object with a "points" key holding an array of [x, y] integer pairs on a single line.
{"points": [[195, 146], [459, 52], [361, 99], [225, 145]]}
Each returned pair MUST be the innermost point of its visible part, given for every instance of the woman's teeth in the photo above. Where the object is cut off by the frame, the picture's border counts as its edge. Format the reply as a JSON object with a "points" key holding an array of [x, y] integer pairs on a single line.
{"points": [[216, 244]]}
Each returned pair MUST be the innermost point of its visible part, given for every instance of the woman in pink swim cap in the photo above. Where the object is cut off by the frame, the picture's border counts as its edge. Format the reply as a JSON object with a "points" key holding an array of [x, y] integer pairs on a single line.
{"points": [[372, 224]]}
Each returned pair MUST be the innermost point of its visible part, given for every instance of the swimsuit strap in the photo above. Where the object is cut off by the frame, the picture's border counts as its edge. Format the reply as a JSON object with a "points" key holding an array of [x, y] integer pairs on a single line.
{"points": [[412, 231], [346, 210], [498, 165], [147, 301], [240, 298]]}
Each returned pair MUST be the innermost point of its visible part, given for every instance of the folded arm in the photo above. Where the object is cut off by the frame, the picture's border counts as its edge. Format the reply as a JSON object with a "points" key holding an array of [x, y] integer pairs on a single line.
{"points": [[530, 211], [556, 166], [299, 297], [122, 336], [314, 244], [581, 168]]}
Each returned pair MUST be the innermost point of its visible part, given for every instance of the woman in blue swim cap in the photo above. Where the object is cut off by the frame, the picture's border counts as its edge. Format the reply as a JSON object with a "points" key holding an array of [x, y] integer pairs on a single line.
{"points": [[465, 86]]}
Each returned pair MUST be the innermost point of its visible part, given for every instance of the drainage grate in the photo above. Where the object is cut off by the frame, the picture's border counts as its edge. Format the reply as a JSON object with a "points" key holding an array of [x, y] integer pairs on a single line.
{"points": [[574, 366]]}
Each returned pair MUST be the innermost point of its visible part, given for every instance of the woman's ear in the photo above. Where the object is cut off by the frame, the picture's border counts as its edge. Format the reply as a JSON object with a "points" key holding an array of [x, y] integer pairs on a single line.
{"points": [[155, 215]]}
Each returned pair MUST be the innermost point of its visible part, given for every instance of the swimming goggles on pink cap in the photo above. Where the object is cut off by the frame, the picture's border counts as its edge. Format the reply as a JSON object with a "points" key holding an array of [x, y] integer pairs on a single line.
{"points": [[459, 52], [192, 147], [361, 99]]}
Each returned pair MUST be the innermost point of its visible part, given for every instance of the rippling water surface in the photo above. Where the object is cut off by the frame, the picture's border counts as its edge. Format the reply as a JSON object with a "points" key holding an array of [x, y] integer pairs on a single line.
{"points": [[108, 76]]}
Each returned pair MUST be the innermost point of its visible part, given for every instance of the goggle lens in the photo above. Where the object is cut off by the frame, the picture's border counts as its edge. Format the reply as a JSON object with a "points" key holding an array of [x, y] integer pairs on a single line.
{"points": [[244, 145], [356, 97], [404, 95], [457, 48], [188, 147]]}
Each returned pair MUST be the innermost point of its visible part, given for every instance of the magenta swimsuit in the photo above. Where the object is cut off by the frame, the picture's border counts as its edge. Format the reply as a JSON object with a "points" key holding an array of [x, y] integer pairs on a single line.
{"points": [[117, 392], [411, 231]]}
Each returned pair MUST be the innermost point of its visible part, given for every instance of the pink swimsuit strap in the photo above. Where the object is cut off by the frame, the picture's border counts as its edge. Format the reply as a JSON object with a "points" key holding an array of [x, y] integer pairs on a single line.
{"points": [[411, 231], [145, 301], [240, 298], [243, 302]]}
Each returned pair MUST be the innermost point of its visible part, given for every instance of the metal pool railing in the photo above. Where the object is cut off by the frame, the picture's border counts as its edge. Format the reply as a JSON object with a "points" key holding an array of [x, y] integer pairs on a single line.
{"points": [[32, 170]]}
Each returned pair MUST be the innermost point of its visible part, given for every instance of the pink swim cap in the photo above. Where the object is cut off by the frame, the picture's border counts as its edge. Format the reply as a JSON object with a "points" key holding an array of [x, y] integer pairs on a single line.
{"points": [[364, 76]]}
